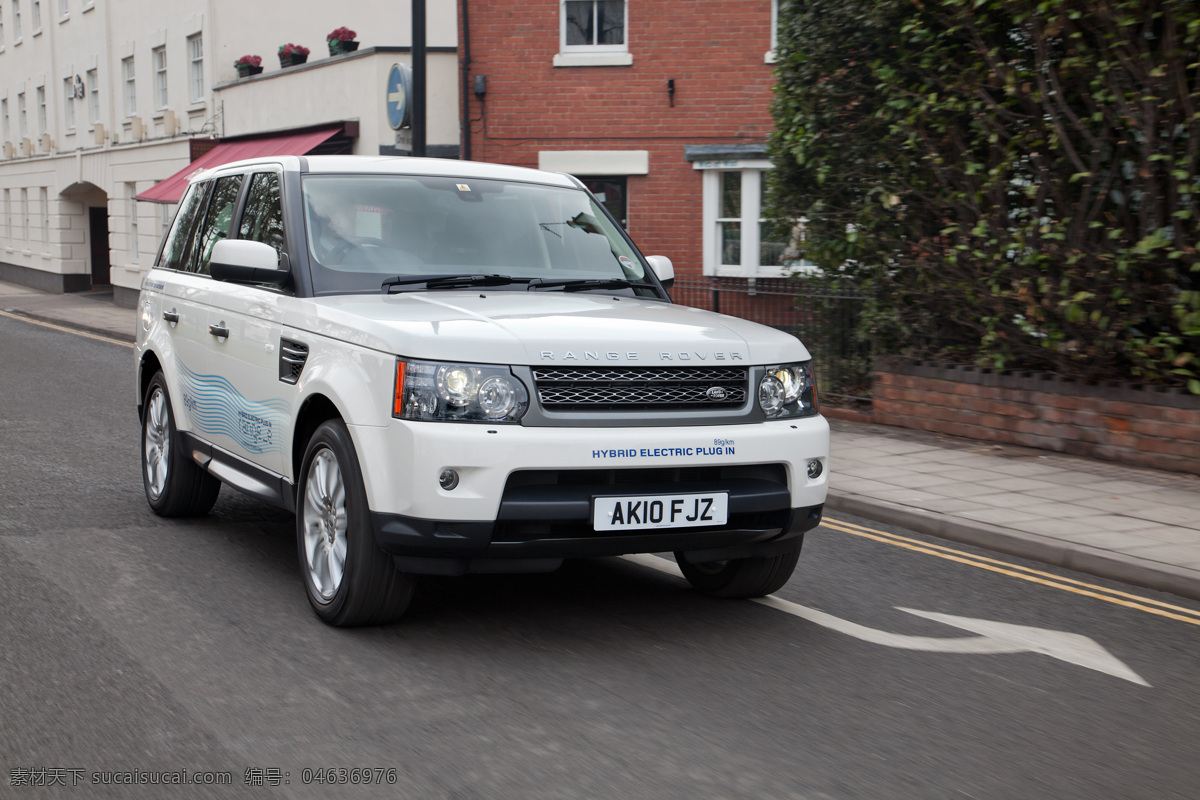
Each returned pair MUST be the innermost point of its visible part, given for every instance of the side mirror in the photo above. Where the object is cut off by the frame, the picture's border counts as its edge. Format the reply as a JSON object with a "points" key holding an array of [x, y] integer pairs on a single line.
{"points": [[244, 261], [664, 269]]}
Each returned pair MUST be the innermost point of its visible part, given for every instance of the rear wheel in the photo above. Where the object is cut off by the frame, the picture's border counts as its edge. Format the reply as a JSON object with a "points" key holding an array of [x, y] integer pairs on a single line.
{"points": [[175, 485], [349, 580], [741, 577]]}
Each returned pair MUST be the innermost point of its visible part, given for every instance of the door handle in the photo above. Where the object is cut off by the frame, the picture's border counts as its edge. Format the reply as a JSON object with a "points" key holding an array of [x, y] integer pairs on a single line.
{"points": [[219, 330], [171, 316]]}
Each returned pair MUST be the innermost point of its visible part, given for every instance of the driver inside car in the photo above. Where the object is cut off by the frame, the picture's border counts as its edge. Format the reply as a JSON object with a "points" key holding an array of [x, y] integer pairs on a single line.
{"points": [[333, 222]]}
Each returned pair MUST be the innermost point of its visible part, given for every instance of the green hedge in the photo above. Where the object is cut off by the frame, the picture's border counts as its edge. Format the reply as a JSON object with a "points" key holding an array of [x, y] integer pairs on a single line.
{"points": [[1018, 181]]}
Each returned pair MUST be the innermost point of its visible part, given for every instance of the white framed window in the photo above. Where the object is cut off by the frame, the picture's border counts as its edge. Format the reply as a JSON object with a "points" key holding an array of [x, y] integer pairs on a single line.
{"points": [[196, 68], [8, 219], [22, 117], [16, 7], [737, 240], [131, 191], [44, 198], [130, 86], [69, 102], [160, 77], [1, 27], [729, 218], [37, 16], [41, 101], [770, 55], [25, 217], [4, 117], [93, 90], [593, 33]]}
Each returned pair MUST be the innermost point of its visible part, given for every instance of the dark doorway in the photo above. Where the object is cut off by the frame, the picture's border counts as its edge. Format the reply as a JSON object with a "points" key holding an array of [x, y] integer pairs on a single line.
{"points": [[611, 194], [98, 223]]}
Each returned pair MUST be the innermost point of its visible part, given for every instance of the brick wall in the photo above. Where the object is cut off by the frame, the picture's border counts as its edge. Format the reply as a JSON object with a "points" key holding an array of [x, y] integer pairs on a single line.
{"points": [[1145, 426], [713, 49]]}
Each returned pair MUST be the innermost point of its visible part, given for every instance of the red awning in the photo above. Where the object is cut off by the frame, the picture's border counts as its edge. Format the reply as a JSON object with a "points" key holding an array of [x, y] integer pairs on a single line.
{"points": [[171, 190]]}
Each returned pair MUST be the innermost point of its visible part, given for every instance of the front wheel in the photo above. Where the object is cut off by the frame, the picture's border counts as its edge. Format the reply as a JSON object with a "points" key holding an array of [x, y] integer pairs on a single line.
{"points": [[741, 577], [175, 485], [349, 580]]}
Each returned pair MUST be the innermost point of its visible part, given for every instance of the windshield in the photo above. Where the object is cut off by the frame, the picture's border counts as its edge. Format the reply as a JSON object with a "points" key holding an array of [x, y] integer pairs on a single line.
{"points": [[363, 230]]}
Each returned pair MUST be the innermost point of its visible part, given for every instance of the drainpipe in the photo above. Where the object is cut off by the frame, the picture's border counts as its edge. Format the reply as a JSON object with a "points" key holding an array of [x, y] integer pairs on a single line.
{"points": [[465, 150]]}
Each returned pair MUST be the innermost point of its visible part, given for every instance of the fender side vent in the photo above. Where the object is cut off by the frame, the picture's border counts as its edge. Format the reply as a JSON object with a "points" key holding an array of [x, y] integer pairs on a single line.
{"points": [[292, 355]]}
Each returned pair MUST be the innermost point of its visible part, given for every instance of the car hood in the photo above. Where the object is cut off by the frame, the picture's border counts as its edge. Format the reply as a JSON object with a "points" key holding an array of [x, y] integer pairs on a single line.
{"points": [[505, 327]]}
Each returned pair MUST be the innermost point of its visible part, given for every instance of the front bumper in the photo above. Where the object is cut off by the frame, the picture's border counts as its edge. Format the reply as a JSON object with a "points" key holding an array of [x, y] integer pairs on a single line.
{"points": [[454, 547], [524, 498]]}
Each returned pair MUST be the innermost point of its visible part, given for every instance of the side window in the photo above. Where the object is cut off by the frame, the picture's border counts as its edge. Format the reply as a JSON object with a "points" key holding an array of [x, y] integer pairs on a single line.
{"points": [[262, 218], [216, 222], [175, 245]]}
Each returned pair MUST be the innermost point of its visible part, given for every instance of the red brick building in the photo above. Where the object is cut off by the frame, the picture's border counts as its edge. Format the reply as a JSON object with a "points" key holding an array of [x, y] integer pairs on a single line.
{"points": [[661, 106]]}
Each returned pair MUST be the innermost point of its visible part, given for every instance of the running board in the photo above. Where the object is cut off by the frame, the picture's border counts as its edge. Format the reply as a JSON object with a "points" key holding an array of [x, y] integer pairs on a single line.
{"points": [[240, 474]]}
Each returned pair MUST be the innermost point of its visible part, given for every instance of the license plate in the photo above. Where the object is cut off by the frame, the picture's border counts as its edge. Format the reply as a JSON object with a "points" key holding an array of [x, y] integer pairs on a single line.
{"points": [[660, 511]]}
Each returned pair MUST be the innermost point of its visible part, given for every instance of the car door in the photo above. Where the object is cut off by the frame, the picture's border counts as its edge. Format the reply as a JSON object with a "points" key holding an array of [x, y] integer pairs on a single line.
{"points": [[182, 309], [244, 325], [214, 406]]}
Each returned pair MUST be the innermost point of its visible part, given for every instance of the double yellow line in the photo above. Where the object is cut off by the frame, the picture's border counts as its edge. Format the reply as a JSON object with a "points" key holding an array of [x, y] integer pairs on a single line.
{"points": [[1024, 573]]}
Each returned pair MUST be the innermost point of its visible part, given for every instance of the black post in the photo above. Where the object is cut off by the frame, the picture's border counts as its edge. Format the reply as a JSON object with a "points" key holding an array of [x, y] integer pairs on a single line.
{"points": [[418, 71]]}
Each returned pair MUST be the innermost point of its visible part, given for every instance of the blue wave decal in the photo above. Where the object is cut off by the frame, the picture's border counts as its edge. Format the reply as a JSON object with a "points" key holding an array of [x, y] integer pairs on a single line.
{"points": [[215, 407]]}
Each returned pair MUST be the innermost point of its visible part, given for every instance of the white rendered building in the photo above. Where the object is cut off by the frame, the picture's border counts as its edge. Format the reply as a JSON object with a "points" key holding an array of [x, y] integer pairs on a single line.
{"points": [[101, 101]]}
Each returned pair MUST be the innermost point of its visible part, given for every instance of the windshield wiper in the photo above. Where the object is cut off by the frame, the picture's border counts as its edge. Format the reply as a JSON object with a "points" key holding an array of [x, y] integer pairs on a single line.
{"points": [[579, 284], [450, 281]]}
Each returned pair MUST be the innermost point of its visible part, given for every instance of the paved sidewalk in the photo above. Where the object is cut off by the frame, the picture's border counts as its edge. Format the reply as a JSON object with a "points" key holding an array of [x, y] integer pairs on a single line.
{"points": [[1131, 524], [90, 311], [1135, 525]]}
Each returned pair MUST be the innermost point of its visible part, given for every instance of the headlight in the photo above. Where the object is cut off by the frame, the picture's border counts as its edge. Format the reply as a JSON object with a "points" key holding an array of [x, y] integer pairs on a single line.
{"points": [[429, 390], [788, 390]]}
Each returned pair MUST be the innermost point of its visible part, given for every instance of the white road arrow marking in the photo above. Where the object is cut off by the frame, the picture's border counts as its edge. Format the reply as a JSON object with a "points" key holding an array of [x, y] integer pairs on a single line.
{"points": [[994, 637]]}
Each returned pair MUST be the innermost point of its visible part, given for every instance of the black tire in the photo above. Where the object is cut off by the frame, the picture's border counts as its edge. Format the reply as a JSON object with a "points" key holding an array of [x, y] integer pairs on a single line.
{"points": [[332, 520], [175, 485], [742, 577]]}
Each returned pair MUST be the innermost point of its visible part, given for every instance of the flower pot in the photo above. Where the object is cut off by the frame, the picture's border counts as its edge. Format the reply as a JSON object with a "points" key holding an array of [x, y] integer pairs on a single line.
{"points": [[292, 60], [245, 70], [337, 47]]}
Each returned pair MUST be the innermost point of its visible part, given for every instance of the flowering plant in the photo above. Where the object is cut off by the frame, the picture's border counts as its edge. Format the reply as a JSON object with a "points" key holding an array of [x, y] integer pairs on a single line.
{"points": [[290, 49], [341, 35], [248, 61]]}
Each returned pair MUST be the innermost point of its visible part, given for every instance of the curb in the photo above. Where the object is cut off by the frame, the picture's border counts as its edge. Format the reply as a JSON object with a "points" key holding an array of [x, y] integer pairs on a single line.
{"points": [[75, 326], [1093, 561]]}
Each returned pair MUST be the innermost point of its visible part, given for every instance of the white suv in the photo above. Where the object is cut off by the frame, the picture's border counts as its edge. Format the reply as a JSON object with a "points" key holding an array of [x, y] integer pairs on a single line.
{"points": [[445, 367]]}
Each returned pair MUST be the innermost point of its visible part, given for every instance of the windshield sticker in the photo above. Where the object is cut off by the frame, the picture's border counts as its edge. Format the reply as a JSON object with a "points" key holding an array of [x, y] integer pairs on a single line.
{"points": [[719, 447], [462, 187], [368, 222], [626, 263]]}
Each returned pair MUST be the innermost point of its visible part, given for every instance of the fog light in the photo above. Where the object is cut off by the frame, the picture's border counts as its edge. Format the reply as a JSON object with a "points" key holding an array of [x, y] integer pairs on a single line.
{"points": [[815, 469], [448, 479]]}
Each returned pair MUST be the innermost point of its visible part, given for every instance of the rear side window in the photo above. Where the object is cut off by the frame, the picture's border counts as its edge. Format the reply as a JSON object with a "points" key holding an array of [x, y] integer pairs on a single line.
{"points": [[175, 246], [217, 221], [262, 218]]}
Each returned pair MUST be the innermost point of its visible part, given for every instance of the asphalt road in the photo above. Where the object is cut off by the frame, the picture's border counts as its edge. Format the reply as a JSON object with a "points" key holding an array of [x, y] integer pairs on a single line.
{"points": [[129, 642]]}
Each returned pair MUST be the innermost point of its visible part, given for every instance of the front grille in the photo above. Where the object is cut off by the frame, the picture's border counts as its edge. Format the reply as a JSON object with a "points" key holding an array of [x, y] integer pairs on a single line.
{"points": [[633, 389]]}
